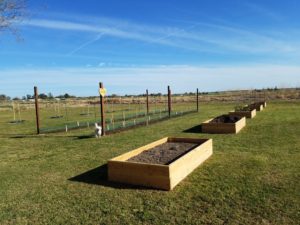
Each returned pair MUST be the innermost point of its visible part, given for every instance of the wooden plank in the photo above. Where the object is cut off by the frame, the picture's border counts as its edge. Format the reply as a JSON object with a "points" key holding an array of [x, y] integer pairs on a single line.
{"points": [[223, 128], [260, 108], [138, 179], [248, 114], [182, 167], [37, 109], [150, 175], [239, 125], [189, 140], [143, 168]]}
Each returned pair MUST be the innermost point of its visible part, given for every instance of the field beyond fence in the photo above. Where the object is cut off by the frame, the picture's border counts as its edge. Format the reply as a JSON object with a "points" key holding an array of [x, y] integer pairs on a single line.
{"points": [[123, 112]]}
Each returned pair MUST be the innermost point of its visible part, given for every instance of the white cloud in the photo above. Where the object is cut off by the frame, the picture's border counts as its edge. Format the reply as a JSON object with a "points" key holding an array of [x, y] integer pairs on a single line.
{"points": [[73, 26], [197, 36]]}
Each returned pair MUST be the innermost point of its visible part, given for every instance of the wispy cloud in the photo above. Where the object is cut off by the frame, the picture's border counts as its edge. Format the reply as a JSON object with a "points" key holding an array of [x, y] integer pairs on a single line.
{"points": [[73, 26], [85, 44], [195, 36]]}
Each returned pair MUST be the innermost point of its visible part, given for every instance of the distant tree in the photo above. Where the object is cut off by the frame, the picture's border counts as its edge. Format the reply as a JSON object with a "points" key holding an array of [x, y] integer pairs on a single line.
{"points": [[29, 97], [43, 96], [4, 97], [11, 11], [67, 95], [16, 98], [50, 95]]}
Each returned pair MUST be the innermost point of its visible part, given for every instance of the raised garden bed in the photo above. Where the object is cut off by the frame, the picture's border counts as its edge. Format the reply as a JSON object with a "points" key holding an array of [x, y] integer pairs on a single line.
{"points": [[245, 111], [224, 124], [257, 105], [161, 164], [263, 103]]}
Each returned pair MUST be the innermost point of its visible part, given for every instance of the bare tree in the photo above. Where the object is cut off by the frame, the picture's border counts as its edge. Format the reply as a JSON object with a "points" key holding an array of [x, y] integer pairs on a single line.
{"points": [[11, 12]]}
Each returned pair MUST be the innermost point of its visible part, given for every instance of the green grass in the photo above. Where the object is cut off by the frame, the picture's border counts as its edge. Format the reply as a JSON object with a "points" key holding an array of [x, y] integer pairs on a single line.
{"points": [[252, 177], [71, 115]]}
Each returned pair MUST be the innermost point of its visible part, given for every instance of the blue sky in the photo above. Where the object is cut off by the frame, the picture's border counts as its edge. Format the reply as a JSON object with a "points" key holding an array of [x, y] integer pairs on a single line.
{"points": [[133, 45]]}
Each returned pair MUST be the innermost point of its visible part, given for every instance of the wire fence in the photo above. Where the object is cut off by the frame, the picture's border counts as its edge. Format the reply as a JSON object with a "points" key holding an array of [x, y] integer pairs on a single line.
{"points": [[121, 112]]}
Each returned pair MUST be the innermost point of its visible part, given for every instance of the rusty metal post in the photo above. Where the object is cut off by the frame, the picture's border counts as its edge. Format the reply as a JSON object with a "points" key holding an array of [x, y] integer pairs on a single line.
{"points": [[169, 101], [197, 100], [102, 110], [37, 110], [147, 101]]}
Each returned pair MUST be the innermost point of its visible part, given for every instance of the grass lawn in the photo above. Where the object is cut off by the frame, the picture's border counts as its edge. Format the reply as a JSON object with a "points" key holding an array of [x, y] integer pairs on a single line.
{"points": [[252, 178]]}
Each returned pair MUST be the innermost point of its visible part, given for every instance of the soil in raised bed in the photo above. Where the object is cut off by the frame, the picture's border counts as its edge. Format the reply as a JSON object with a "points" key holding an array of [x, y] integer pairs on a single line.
{"points": [[243, 109], [255, 105], [225, 119], [164, 154]]}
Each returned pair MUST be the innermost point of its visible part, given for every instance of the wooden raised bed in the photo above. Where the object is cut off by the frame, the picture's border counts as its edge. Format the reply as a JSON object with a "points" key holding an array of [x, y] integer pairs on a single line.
{"points": [[248, 114], [223, 128], [161, 176], [264, 104], [258, 106]]}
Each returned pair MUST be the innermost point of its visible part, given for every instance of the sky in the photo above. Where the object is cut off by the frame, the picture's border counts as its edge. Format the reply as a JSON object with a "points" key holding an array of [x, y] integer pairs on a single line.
{"points": [[134, 45]]}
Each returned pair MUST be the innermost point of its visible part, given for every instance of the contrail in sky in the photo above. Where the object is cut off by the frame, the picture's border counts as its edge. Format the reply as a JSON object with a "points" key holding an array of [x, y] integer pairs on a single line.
{"points": [[85, 44]]}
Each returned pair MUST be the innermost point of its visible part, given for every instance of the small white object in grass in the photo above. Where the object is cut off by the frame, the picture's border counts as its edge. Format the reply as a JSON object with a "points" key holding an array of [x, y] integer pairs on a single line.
{"points": [[98, 130]]}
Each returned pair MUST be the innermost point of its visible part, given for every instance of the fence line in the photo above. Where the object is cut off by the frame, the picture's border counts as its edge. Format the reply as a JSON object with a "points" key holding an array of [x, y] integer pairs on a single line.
{"points": [[115, 112]]}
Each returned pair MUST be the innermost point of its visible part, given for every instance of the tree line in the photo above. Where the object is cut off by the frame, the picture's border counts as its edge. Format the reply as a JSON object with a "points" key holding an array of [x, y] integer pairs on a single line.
{"points": [[48, 96]]}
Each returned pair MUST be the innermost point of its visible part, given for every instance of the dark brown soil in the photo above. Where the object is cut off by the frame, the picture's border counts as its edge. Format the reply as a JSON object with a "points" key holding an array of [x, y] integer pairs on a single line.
{"points": [[225, 119], [244, 109], [164, 154], [255, 105]]}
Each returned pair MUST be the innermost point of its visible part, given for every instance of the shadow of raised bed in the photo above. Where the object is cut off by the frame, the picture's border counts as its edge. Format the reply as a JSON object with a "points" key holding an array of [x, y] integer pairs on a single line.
{"points": [[98, 176], [195, 129]]}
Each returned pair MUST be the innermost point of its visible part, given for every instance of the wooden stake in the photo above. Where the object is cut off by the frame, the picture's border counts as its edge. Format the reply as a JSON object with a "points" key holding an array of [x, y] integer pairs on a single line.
{"points": [[169, 101], [197, 100], [102, 111], [147, 101], [19, 112], [37, 111], [13, 105]]}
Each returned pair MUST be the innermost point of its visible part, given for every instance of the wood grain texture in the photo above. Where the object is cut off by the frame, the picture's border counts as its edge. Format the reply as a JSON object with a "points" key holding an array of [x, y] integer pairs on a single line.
{"points": [[223, 128], [248, 114], [164, 177]]}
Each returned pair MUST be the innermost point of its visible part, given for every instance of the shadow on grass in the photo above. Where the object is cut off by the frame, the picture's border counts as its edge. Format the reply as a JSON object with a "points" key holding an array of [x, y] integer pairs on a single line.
{"points": [[21, 136], [85, 137], [14, 136], [195, 129], [17, 136], [98, 176]]}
